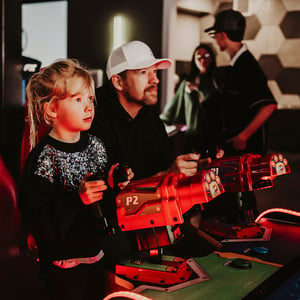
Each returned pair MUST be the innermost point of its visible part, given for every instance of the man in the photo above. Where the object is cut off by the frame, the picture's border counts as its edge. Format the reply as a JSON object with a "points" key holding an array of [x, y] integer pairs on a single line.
{"points": [[257, 102], [131, 130], [248, 79], [125, 120]]}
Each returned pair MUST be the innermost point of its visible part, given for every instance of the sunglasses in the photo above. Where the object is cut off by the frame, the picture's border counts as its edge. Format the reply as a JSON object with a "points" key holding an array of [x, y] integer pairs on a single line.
{"points": [[204, 56], [212, 34]]}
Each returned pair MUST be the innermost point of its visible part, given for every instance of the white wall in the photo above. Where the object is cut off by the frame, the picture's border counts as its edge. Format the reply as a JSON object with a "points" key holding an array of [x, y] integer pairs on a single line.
{"points": [[50, 43], [188, 32]]}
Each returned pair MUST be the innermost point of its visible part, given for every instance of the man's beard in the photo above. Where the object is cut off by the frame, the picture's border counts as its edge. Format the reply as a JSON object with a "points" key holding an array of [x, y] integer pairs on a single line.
{"points": [[150, 98]]}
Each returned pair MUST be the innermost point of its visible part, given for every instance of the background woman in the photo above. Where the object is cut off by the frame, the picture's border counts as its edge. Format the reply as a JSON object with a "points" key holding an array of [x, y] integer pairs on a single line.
{"points": [[186, 105]]}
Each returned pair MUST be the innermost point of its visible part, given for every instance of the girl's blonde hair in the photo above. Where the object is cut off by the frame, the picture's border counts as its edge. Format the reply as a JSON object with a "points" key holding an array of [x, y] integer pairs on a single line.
{"points": [[51, 84]]}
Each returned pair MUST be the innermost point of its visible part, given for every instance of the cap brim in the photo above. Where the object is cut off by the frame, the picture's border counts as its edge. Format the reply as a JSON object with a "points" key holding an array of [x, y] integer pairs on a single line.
{"points": [[213, 28], [163, 63]]}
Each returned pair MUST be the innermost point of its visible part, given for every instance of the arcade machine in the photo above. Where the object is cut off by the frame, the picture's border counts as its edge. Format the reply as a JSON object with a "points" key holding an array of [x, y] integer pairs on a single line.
{"points": [[154, 210]]}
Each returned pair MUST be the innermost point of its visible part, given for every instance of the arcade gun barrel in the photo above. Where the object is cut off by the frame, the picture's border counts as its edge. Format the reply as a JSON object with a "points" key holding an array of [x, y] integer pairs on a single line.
{"points": [[249, 172], [162, 200]]}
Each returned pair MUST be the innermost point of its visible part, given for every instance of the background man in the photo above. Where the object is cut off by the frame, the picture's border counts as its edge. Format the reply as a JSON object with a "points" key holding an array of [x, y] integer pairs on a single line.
{"points": [[250, 82], [248, 79]]}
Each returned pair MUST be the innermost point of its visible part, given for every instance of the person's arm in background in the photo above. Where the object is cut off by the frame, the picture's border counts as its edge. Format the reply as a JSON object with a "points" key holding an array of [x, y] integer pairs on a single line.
{"points": [[240, 141]]}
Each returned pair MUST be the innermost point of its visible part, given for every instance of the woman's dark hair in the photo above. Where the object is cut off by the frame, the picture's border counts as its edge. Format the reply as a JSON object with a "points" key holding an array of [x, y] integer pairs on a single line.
{"points": [[194, 71]]}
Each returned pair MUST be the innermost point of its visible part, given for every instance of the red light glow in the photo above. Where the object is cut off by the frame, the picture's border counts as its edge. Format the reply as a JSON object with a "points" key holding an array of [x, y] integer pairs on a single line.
{"points": [[277, 210], [126, 295]]}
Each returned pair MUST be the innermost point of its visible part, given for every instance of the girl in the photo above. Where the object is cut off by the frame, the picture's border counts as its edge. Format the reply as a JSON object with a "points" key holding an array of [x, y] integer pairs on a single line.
{"points": [[59, 205]]}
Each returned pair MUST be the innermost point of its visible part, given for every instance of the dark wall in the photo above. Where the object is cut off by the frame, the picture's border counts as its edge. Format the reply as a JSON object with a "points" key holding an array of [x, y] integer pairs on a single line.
{"points": [[89, 40], [11, 110], [11, 63], [90, 27], [284, 131]]}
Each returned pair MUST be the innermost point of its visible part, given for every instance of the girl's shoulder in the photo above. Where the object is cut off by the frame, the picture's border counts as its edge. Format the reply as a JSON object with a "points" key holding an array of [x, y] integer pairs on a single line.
{"points": [[35, 155], [92, 138], [44, 140], [94, 142]]}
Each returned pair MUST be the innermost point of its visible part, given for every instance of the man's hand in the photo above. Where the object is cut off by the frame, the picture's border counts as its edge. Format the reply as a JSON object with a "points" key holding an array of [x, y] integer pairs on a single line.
{"points": [[187, 164], [91, 191], [220, 153]]}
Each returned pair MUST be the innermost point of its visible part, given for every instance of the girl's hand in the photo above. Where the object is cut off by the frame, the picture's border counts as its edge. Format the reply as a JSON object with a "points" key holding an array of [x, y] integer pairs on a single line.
{"points": [[121, 185], [130, 175], [91, 191]]}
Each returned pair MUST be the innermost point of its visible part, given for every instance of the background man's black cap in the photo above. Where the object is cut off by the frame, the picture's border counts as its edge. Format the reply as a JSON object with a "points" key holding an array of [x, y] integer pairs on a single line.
{"points": [[229, 21]]}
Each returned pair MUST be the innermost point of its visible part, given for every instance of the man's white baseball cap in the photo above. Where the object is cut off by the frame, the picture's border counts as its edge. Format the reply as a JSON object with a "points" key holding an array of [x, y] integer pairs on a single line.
{"points": [[133, 56]]}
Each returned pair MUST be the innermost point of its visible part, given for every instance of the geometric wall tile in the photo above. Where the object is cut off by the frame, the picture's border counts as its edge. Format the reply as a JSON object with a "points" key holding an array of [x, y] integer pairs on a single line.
{"points": [[183, 24], [269, 39], [288, 81], [289, 53], [206, 22], [271, 66], [291, 4], [270, 12], [273, 37], [284, 101], [195, 7], [252, 27], [222, 59], [275, 89], [290, 25], [254, 49], [224, 6], [289, 102]]}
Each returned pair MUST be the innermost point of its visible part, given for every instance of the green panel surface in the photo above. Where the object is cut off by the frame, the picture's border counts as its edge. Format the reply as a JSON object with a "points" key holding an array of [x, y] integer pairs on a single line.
{"points": [[226, 282]]}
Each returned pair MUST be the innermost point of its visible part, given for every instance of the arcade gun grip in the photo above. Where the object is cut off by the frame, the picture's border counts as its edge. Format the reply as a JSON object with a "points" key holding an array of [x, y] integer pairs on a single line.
{"points": [[249, 172]]}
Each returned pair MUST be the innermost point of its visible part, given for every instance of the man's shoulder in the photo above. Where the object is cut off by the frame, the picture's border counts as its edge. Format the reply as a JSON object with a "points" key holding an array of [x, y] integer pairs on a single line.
{"points": [[246, 58], [248, 65], [150, 112], [105, 92]]}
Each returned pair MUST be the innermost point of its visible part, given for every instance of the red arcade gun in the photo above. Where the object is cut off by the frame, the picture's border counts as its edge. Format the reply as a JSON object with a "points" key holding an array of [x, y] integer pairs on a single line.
{"points": [[154, 208]]}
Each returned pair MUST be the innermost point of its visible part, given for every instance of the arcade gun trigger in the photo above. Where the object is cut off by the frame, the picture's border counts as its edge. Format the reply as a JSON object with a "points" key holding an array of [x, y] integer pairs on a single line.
{"points": [[250, 172], [154, 207]]}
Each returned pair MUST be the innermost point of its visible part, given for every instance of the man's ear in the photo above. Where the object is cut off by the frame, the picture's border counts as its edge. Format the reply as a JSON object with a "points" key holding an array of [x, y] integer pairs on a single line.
{"points": [[224, 35], [117, 82]]}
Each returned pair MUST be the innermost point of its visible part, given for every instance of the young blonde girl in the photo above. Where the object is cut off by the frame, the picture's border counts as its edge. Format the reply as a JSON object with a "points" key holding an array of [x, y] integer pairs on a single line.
{"points": [[59, 205]]}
